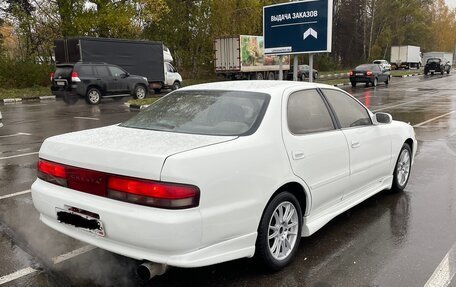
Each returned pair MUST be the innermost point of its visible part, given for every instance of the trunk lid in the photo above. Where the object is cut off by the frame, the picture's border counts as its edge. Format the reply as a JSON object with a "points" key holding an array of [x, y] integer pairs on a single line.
{"points": [[123, 151]]}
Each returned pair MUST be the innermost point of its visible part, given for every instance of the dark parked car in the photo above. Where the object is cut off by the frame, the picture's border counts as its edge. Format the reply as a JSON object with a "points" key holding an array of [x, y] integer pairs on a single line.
{"points": [[94, 81], [437, 65], [303, 73], [369, 74]]}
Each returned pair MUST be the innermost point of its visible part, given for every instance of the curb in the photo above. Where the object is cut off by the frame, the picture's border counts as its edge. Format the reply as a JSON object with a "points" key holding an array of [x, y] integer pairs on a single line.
{"points": [[406, 76], [20, 100]]}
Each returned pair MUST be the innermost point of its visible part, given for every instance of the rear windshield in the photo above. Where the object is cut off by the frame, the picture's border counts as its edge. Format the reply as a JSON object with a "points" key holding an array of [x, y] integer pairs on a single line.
{"points": [[222, 113], [378, 62], [433, 60], [63, 72], [366, 67]]}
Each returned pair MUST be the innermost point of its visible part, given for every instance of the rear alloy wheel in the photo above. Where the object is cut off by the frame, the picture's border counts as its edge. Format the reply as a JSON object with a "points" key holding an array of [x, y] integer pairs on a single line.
{"points": [[140, 92], [402, 169], [176, 86], [93, 96], [279, 232]]}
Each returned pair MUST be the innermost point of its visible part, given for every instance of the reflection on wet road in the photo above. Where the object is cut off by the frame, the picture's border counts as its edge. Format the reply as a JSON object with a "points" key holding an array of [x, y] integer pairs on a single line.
{"points": [[389, 240]]}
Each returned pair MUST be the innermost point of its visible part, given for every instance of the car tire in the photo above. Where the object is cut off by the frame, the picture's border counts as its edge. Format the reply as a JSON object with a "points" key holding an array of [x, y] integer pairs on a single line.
{"points": [[176, 85], [448, 72], [375, 82], [157, 91], [303, 77], [93, 96], [278, 242], [140, 92], [353, 84], [315, 75], [442, 72], [387, 80], [402, 169]]}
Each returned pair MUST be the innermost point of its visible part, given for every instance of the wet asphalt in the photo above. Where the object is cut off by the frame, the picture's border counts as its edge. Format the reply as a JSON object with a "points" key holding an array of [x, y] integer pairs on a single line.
{"points": [[388, 240]]}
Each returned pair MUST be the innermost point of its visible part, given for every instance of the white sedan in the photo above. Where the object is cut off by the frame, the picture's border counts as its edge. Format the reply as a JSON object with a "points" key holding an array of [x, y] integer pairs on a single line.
{"points": [[221, 171]]}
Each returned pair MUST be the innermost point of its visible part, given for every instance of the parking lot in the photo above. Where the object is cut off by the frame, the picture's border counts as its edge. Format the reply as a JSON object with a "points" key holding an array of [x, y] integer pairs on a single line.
{"points": [[403, 239]]}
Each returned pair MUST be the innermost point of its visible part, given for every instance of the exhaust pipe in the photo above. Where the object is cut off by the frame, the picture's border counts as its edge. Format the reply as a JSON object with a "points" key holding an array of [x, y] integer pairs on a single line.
{"points": [[148, 270]]}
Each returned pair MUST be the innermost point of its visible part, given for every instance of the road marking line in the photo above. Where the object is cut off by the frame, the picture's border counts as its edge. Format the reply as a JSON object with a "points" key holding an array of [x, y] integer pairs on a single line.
{"points": [[17, 275], [433, 119], [85, 118], [15, 135], [19, 155], [72, 254], [444, 273], [395, 106], [15, 194]]}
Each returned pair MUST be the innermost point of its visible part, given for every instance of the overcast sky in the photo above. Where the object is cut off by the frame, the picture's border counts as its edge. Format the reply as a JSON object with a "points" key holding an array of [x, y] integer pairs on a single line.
{"points": [[451, 3]]}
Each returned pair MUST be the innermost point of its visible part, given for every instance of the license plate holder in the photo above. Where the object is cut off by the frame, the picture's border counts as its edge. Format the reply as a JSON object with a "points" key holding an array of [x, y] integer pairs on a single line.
{"points": [[80, 221], [360, 74], [60, 83]]}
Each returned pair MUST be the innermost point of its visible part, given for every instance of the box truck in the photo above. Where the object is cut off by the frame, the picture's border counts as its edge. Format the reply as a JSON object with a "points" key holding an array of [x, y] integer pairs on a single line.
{"points": [[405, 57], [242, 57], [149, 59], [444, 56]]}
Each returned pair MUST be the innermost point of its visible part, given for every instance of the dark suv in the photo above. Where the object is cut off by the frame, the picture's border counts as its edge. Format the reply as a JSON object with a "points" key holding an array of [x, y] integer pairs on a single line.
{"points": [[94, 81], [437, 65]]}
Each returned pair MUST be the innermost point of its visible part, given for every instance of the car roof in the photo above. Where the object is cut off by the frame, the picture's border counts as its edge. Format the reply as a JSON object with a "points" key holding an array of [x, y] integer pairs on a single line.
{"points": [[268, 87]]}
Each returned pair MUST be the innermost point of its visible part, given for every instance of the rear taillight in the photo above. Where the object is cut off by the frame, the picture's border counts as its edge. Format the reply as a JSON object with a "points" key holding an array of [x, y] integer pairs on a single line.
{"points": [[75, 77], [132, 190], [52, 172], [158, 194], [351, 73], [52, 76], [369, 73]]}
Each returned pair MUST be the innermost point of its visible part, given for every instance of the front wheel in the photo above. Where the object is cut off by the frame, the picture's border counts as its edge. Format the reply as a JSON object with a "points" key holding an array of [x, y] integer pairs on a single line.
{"points": [[176, 85], [402, 169], [140, 92], [387, 80], [279, 232], [375, 83]]}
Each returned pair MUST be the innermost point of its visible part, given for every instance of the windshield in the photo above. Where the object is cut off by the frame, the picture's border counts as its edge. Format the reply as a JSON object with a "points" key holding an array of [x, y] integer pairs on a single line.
{"points": [[222, 113]]}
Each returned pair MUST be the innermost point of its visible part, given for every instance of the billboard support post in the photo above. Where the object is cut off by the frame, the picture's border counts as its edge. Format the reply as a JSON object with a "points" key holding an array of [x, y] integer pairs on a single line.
{"points": [[311, 66], [295, 68], [280, 67]]}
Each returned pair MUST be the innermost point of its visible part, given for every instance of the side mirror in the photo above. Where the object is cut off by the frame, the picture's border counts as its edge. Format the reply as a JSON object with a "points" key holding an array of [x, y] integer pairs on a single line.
{"points": [[123, 76], [382, 118]]}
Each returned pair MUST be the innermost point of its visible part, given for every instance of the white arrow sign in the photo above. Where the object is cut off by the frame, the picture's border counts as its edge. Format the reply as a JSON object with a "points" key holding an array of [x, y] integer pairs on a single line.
{"points": [[310, 32]]}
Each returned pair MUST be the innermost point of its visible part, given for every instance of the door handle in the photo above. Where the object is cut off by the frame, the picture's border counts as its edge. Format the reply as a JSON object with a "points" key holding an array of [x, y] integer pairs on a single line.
{"points": [[298, 155], [355, 144]]}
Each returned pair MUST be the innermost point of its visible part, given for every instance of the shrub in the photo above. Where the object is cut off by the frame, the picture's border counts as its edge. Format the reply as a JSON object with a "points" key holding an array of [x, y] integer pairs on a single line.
{"points": [[23, 74]]}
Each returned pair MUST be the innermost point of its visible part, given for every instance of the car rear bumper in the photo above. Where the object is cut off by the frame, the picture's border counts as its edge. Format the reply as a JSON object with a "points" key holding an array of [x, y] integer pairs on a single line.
{"points": [[170, 237]]}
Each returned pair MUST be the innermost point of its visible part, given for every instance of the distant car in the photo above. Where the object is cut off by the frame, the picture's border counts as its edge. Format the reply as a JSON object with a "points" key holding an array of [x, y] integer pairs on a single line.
{"points": [[303, 73], [191, 181], [383, 63], [94, 81], [369, 74], [437, 65], [1, 119]]}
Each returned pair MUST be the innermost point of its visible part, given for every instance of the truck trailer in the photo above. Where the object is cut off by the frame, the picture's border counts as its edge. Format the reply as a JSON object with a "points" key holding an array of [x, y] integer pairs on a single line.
{"points": [[143, 58], [242, 57], [405, 57]]}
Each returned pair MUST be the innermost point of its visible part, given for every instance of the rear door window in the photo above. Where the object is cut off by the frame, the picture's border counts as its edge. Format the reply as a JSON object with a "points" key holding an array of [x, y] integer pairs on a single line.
{"points": [[307, 113]]}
